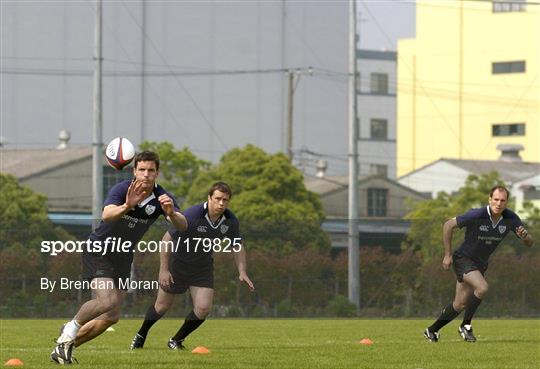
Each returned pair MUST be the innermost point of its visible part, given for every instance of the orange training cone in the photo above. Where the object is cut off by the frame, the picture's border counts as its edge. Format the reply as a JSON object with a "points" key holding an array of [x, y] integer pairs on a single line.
{"points": [[200, 350], [366, 341], [14, 362]]}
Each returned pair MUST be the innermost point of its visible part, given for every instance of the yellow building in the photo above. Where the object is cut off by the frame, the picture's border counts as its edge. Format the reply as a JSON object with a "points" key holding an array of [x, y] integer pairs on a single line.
{"points": [[469, 82]]}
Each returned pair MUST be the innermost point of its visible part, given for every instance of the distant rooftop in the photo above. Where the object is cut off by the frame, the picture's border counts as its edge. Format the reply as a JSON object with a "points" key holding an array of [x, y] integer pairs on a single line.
{"points": [[24, 163], [328, 184], [508, 171]]}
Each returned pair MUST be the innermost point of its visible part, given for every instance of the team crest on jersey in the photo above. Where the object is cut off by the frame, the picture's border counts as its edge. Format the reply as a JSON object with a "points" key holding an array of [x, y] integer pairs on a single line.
{"points": [[502, 228], [149, 209], [224, 228]]}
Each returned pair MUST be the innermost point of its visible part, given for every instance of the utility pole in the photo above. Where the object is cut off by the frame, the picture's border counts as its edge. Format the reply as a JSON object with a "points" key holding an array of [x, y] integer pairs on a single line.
{"points": [[290, 75], [354, 254], [294, 79], [143, 71], [97, 144]]}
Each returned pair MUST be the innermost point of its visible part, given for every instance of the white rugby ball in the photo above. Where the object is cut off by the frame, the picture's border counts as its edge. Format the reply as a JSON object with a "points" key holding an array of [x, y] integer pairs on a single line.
{"points": [[119, 152]]}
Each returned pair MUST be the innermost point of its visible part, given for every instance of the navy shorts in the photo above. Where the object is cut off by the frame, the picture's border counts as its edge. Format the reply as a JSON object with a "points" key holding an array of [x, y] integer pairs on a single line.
{"points": [[107, 266], [463, 265], [185, 276]]}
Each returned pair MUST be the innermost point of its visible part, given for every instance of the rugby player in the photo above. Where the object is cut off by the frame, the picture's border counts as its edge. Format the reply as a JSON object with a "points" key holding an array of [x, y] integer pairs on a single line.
{"points": [[485, 228]]}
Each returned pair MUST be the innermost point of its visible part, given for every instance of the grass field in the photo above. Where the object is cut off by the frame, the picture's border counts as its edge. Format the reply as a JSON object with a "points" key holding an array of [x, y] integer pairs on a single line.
{"points": [[287, 344]]}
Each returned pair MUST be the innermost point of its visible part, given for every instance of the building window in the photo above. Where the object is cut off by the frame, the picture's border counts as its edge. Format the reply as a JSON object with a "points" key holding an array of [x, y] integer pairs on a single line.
{"points": [[531, 193], [112, 176], [377, 199], [379, 170], [379, 129], [501, 6], [379, 83], [358, 83], [512, 129], [508, 67]]}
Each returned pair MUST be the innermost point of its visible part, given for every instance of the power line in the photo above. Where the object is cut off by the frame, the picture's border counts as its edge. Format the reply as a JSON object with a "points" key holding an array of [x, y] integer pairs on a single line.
{"points": [[42, 58], [403, 85], [186, 91], [89, 73], [150, 87], [422, 87]]}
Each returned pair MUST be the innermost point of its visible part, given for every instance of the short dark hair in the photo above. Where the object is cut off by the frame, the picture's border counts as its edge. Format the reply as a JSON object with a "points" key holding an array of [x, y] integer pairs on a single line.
{"points": [[220, 186], [500, 188], [146, 155]]}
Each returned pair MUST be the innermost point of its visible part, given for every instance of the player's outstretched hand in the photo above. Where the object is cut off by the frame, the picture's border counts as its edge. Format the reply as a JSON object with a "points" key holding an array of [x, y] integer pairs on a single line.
{"points": [[447, 261], [244, 278], [521, 232], [166, 204], [135, 194], [165, 279]]}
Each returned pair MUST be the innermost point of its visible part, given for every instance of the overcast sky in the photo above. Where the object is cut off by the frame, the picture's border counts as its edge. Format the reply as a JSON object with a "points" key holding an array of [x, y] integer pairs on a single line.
{"points": [[65, 102], [383, 22]]}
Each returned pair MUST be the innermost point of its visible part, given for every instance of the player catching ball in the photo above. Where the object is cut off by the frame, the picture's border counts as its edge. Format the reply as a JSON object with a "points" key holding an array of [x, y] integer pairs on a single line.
{"points": [[128, 212], [485, 228], [211, 227]]}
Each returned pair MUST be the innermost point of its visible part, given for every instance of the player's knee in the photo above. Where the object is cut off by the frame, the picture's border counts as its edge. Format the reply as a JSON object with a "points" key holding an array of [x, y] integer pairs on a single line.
{"points": [[481, 290], [103, 306], [459, 305], [107, 304], [162, 307], [203, 310], [113, 319]]}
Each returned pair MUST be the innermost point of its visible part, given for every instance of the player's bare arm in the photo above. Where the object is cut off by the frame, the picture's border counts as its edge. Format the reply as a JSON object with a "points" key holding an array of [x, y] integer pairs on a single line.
{"points": [[165, 278], [525, 236], [135, 195], [176, 218], [240, 260], [448, 229]]}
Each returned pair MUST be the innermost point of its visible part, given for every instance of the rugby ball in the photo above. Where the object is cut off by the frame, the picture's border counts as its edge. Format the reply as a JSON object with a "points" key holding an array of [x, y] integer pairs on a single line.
{"points": [[119, 153]]}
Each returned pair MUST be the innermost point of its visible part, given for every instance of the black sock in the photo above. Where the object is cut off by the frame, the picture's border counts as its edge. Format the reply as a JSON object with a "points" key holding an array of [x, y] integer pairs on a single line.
{"points": [[191, 323], [472, 305], [448, 314], [150, 319]]}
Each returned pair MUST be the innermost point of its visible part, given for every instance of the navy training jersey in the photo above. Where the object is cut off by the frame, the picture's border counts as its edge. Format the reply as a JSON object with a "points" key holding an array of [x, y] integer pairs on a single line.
{"points": [[133, 225], [482, 236], [195, 246]]}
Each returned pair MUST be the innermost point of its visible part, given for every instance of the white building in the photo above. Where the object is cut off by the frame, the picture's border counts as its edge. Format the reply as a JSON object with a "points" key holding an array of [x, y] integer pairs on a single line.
{"points": [[448, 175], [377, 112]]}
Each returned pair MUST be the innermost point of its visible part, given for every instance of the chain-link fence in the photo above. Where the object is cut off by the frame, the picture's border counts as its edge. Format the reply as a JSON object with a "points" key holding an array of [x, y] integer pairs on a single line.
{"points": [[296, 282]]}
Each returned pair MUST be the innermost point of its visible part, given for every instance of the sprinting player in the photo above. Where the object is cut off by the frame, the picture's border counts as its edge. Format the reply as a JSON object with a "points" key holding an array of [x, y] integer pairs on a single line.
{"points": [[485, 228], [129, 210], [191, 267]]}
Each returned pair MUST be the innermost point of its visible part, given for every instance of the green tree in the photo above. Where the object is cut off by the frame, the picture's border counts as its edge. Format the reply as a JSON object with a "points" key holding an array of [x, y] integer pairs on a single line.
{"points": [[178, 168], [275, 209], [24, 224], [428, 216], [24, 216], [531, 220]]}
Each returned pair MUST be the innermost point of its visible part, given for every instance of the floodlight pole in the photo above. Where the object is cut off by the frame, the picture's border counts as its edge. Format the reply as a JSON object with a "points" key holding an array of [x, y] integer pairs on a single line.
{"points": [[97, 142], [353, 245]]}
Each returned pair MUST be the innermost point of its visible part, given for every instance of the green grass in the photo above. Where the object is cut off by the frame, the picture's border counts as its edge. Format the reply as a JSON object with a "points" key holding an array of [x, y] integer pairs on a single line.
{"points": [[287, 344]]}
